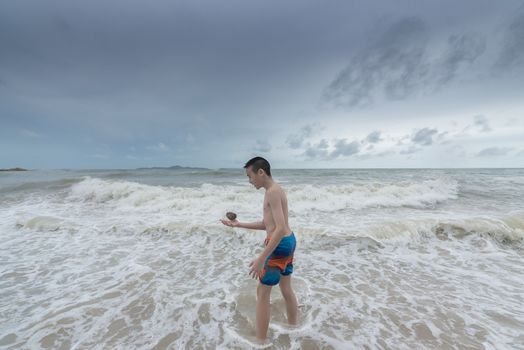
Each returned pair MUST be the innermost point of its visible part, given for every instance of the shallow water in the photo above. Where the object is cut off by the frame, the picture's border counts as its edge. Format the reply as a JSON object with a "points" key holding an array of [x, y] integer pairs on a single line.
{"points": [[385, 259]]}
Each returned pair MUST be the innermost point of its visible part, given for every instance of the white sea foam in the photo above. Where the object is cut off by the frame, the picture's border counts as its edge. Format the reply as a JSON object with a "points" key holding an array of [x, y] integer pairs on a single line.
{"points": [[320, 197], [408, 193], [41, 223], [506, 229], [397, 265], [122, 205]]}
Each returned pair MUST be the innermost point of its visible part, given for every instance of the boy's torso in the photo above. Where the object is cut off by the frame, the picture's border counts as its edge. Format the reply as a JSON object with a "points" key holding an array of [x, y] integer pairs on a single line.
{"points": [[269, 221]]}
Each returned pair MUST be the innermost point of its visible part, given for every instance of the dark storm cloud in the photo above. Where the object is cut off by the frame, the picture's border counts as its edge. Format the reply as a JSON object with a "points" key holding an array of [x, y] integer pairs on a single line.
{"points": [[396, 62], [462, 50], [402, 62], [131, 60], [512, 51], [494, 152], [205, 80]]}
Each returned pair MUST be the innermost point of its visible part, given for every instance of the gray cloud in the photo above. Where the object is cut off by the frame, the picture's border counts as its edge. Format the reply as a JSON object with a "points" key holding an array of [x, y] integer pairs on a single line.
{"points": [[481, 122], [441, 137], [424, 136], [402, 140], [208, 78], [262, 146], [403, 57], [345, 148], [512, 51], [319, 150], [410, 150], [342, 147], [399, 64], [396, 62], [373, 137], [296, 140], [462, 50], [113, 64], [364, 148], [494, 152]]}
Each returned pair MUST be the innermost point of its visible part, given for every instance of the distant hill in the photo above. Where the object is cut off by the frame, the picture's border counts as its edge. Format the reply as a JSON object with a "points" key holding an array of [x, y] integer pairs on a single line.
{"points": [[174, 167], [14, 169]]}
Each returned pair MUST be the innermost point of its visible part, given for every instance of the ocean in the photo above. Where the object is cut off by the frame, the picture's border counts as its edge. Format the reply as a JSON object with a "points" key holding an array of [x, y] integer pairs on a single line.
{"points": [[385, 259]]}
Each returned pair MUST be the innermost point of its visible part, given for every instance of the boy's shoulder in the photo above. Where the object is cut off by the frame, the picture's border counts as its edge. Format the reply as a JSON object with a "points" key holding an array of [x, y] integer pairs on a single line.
{"points": [[275, 189], [276, 192]]}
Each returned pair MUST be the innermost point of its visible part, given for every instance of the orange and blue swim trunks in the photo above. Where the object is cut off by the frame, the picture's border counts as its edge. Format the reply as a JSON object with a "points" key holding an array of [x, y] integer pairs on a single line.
{"points": [[280, 262]]}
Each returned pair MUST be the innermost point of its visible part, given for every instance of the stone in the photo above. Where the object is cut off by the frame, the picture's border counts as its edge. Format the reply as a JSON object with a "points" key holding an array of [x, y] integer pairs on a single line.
{"points": [[231, 216]]}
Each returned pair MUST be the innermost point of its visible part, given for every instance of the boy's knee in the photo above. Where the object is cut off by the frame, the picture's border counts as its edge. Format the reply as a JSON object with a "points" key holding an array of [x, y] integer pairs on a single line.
{"points": [[287, 293], [263, 290]]}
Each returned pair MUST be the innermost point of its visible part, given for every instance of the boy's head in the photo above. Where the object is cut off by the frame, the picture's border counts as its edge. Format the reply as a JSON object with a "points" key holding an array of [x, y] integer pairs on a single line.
{"points": [[257, 169]]}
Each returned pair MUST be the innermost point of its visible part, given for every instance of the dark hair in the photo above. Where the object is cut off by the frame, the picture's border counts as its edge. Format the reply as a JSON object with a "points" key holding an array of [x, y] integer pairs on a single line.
{"points": [[259, 163]]}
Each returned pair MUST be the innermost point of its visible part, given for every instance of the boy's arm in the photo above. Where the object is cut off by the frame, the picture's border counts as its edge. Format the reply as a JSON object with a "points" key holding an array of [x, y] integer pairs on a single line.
{"points": [[259, 225]]}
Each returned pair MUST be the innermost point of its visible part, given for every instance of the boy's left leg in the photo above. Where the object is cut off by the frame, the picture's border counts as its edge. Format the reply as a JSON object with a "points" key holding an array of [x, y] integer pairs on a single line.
{"points": [[290, 298], [262, 310]]}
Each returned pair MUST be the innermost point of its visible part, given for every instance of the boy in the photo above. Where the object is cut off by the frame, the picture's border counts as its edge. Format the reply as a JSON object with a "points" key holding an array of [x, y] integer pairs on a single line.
{"points": [[275, 264]]}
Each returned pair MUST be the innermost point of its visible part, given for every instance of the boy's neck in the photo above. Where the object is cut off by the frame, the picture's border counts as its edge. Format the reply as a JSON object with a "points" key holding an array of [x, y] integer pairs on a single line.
{"points": [[268, 183]]}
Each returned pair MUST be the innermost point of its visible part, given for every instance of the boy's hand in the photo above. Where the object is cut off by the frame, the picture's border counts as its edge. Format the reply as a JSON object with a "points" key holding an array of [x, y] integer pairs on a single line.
{"points": [[256, 267], [230, 223]]}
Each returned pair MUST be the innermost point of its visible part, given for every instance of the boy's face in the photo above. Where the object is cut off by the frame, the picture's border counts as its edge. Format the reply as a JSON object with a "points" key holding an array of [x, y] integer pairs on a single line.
{"points": [[253, 177]]}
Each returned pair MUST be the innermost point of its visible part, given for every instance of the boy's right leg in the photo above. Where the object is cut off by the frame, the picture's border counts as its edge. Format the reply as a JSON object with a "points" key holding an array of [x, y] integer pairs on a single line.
{"points": [[290, 298]]}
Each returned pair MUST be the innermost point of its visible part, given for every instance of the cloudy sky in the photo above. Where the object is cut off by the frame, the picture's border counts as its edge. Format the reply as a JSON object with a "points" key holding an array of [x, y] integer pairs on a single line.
{"points": [[306, 84]]}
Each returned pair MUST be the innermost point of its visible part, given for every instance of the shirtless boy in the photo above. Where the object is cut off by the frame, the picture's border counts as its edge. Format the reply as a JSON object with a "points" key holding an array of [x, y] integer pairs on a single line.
{"points": [[275, 264]]}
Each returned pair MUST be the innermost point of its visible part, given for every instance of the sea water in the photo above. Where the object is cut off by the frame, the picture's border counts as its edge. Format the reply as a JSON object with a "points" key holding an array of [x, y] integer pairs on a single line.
{"points": [[385, 259]]}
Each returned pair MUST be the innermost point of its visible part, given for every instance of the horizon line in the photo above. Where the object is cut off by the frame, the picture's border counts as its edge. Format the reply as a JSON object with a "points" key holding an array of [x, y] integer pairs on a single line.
{"points": [[205, 168]]}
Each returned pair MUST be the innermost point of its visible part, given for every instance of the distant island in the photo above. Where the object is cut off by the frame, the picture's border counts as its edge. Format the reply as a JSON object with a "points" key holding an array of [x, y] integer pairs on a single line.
{"points": [[174, 167], [14, 169]]}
